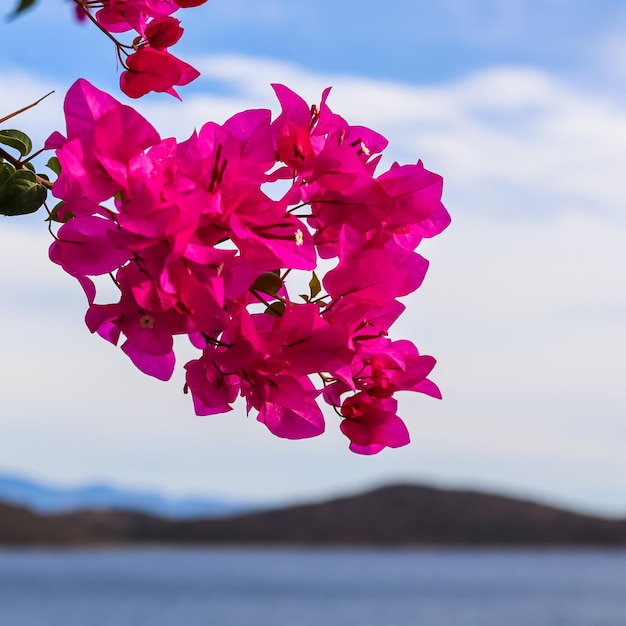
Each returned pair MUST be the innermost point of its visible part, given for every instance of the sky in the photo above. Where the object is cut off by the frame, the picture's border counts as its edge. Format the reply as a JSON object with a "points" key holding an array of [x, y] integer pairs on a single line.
{"points": [[519, 104]]}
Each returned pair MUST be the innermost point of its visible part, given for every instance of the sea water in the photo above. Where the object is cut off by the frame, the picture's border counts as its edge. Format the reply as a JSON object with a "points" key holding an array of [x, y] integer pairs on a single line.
{"points": [[310, 587]]}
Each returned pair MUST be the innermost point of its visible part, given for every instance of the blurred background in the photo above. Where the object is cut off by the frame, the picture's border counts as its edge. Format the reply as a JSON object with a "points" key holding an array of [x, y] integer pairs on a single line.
{"points": [[519, 104]]}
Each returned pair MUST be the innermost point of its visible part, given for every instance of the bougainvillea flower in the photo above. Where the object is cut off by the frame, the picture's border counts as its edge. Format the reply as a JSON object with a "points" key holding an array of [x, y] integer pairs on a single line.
{"points": [[118, 16], [119, 135], [163, 32], [376, 275], [84, 246], [290, 409], [279, 244], [199, 245], [155, 70], [213, 391], [414, 196], [308, 343], [372, 424], [292, 129], [155, 29]]}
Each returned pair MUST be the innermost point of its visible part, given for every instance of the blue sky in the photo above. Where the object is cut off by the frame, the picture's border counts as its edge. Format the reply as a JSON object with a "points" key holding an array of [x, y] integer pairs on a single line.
{"points": [[519, 104]]}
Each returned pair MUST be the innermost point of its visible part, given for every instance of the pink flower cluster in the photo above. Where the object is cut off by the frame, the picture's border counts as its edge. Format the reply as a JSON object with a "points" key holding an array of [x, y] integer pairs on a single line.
{"points": [[149, 67], [197, 247]]}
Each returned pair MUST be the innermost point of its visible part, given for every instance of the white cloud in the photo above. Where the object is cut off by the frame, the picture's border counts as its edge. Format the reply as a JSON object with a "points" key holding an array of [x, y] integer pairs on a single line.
{"points": [[510, 141], [20, 89], [524, 308]]}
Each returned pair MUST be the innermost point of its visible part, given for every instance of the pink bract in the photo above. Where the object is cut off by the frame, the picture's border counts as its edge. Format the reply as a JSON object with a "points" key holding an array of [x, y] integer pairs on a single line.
{"points": [[163, 32], [199, 248], [155, 70]]}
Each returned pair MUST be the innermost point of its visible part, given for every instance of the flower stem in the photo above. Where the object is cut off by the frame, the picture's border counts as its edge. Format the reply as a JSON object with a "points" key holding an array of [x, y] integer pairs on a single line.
{"points": [[120, 46]]}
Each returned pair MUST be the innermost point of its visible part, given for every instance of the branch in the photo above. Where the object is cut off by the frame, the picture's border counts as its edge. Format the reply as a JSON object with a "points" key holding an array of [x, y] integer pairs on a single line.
{"points": [[19, 165]]}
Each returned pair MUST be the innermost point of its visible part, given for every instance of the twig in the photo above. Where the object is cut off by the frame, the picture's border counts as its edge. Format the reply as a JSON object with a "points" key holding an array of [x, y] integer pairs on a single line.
{"points": [[29, 106]]}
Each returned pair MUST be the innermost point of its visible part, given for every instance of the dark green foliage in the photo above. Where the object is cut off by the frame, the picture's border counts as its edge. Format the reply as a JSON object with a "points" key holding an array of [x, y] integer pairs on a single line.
{"points": [[20, 191], [54, 165], [269, 283], [16, 139], [314, 285]]}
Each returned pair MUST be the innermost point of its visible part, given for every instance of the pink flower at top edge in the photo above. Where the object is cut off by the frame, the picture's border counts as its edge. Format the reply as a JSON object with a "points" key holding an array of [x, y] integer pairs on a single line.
{"points": [[155, 70]]}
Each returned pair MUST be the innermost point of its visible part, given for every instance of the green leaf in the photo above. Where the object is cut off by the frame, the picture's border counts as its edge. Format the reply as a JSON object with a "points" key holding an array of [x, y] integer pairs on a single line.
{"points": [[5, 172], [54, 165], [276, 309], [16, 139], [22, 6], [21, 194], [269, 283], [54, 214], [314, 285]]}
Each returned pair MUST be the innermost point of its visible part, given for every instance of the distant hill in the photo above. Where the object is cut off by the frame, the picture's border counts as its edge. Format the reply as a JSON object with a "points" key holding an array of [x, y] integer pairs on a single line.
{"points": [[401, 515], [47, 499]]}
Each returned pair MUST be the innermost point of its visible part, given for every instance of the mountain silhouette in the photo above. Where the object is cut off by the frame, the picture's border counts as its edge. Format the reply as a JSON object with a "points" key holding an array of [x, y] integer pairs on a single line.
{"points": [[398, 515]]}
